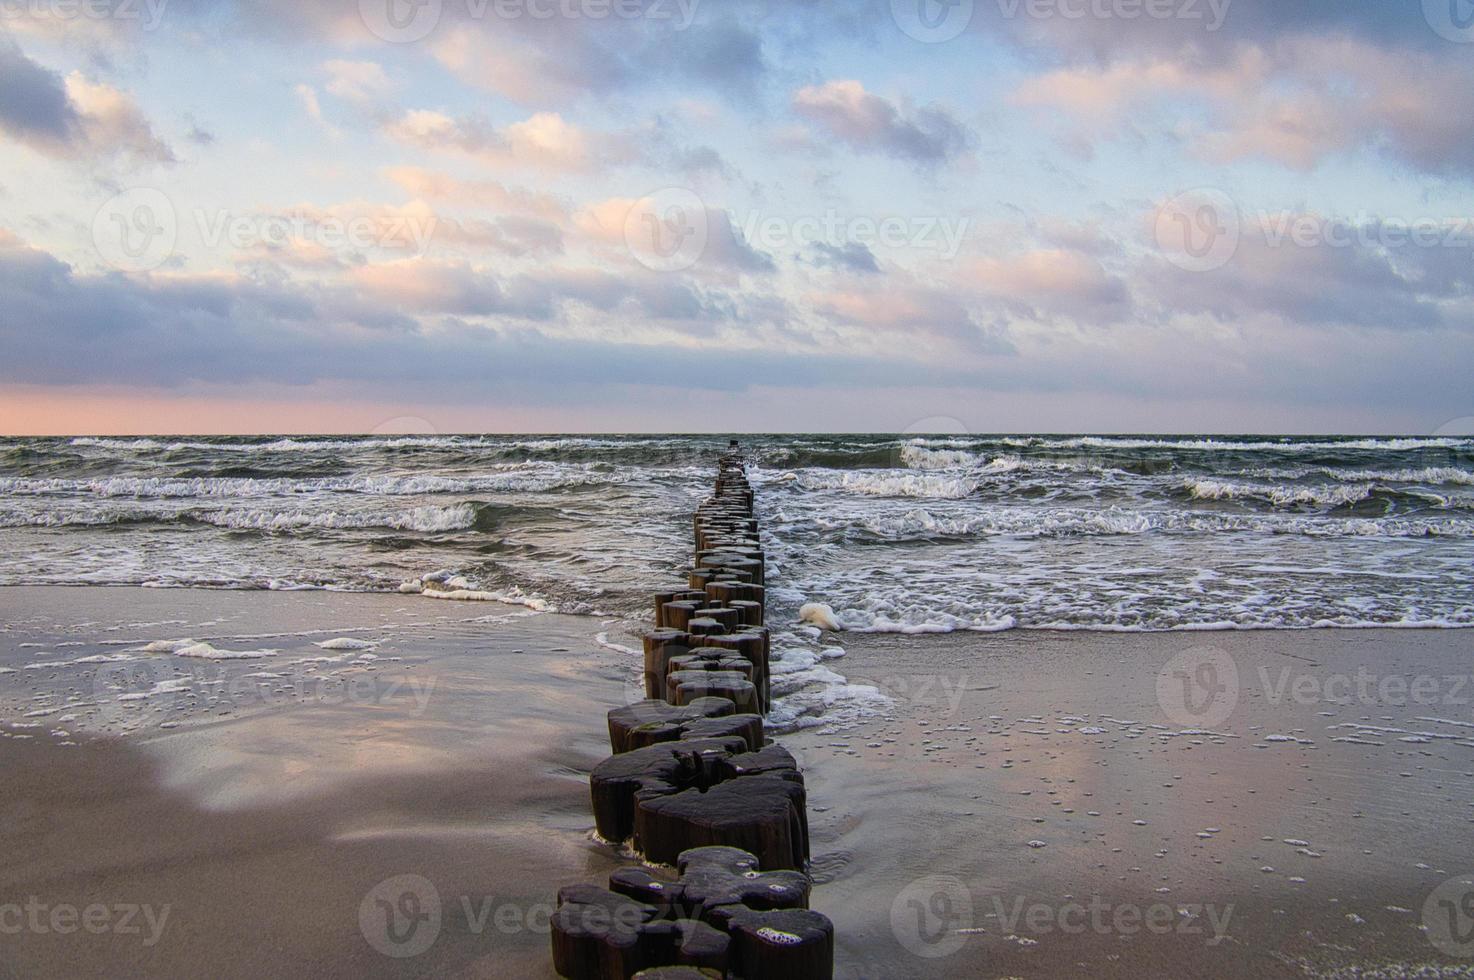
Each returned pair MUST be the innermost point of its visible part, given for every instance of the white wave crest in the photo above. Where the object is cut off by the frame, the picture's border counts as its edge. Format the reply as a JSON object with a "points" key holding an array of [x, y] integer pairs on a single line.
{"points": [[889, 483], [1281, 496], [920, 458]]}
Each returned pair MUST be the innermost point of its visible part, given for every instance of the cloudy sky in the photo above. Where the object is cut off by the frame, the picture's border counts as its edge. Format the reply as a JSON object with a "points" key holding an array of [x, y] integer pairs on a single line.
{"points": [[596, 215]]}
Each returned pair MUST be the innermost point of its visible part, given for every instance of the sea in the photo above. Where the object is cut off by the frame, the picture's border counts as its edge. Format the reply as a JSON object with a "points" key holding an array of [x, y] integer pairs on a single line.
{"points": [[896, 533]]}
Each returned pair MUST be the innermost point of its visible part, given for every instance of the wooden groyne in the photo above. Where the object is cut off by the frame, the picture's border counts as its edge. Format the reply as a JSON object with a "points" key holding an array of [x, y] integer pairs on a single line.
{"points": [[694, 783]]}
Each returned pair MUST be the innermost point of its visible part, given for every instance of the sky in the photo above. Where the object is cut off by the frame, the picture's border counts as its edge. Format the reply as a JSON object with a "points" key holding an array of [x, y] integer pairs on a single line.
{"points": [[736, 215]]}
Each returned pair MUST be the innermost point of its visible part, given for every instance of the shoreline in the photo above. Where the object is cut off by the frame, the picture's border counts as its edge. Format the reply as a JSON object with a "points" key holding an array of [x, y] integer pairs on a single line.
{"points": [[476, 598], [266, 827]]}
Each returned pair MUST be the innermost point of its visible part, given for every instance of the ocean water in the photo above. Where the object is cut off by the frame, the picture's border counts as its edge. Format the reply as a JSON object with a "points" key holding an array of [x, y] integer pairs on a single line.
{"points": [[896, 533]]}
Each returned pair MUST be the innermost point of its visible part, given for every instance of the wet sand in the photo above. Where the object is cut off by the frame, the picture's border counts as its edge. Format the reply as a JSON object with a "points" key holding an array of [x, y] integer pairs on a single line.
{"points": [[256, 834], [1262, 846]]}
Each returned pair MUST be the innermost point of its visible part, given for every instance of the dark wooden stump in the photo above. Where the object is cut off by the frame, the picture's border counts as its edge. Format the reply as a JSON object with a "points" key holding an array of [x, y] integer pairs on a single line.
{"points": [[763, 814], [678, 613], [660, 646], [685, 686], [644, 885], [747, 726], [749, 611], [729, 619], [596, 933], [710, 659], [717, 882], [647, 722], [684, 942], [750, 644], [784, 944], [663, 768], [704, 626], [674, 594]]}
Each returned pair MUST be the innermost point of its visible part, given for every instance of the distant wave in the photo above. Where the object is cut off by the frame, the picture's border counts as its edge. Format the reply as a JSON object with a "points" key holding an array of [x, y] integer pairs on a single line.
{"points": [[888, 483], [920, 524], [424, 519], [1242, 445], [512, 480], [1327, 496]]}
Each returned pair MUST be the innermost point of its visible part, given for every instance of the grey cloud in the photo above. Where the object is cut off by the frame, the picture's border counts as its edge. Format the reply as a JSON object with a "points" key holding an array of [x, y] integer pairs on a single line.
{"points": [[34, 108], [853, 256], [59, 327], [1323, 285], [869, 123]]}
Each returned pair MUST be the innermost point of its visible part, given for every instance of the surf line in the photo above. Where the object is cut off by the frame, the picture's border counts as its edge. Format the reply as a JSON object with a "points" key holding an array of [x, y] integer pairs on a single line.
{"points": [[694, 783]]}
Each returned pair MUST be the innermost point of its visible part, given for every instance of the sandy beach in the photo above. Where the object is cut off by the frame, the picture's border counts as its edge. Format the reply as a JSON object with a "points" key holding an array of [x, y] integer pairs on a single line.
{"points": [[1031, 804]]}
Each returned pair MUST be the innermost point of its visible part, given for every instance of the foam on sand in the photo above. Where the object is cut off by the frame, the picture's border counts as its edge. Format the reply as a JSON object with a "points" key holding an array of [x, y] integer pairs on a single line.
{"points": [[820, 615], [346, 643], [200, 650]]}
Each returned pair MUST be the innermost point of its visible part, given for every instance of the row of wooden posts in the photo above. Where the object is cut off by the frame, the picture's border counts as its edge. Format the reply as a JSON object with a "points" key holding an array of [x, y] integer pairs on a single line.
{"points": [[694, 783]]}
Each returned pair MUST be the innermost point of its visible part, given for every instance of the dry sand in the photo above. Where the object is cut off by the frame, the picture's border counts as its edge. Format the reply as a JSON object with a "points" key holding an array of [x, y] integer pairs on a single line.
{"points": [[256, 834]]}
